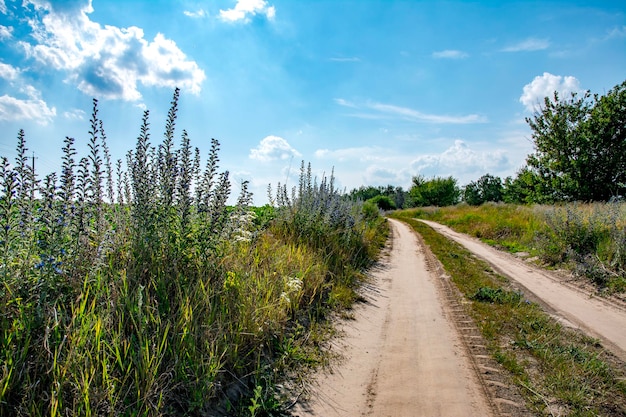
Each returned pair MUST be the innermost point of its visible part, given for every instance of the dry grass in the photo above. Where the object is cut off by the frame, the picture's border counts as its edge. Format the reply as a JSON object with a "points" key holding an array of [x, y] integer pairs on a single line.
{"points": [[559, 370]]}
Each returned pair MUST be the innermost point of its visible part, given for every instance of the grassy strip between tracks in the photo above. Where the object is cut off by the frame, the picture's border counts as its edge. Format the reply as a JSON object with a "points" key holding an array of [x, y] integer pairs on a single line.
{"points": [[560, 371]]}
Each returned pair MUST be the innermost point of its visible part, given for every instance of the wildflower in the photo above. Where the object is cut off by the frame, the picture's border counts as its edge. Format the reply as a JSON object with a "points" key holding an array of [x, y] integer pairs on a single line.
{"points": [[293, 284]]}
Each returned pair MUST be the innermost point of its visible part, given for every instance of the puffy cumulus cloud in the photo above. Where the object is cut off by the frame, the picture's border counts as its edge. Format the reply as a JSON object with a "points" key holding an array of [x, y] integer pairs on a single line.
{"points": [[528, 45], [12, 109], [544, 86], [370, 165], [462, 162], [273, 148], [33, 107], [377, 175], [8, 72], [6, 32], [246, 8], [450, 54], [106, 61]]}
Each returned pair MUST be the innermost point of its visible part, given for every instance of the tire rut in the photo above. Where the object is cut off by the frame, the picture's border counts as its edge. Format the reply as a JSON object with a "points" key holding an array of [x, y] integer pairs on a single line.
{"points": [[570, 304], [502, 394], [404, 354]]}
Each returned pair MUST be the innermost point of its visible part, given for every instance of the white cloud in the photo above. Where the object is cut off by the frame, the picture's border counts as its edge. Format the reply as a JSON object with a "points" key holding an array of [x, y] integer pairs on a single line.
{"points": [[107, 61], [273, 148], [344, 103], [31, 108], [385, 111], [246, 8], [362, 154], [12, 109], [380, 166], [6, 32], [527, 45], [461, 162], [377, 176], [197, 14], [450, 54], [3, 7], [74, 114], [418, 116], [544, 86], [8, 72]]}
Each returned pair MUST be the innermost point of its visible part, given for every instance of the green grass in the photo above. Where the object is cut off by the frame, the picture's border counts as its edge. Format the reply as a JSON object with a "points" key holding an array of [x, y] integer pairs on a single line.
{"points": [[587, 239], [556, 368], [137, 291]]}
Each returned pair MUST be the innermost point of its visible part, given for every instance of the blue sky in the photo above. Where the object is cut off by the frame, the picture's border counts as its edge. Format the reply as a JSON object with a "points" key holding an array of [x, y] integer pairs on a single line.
{"points": [[381, 90]]}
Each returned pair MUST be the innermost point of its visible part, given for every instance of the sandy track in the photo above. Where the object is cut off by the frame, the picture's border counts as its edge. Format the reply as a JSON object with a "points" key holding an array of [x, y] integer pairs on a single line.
{"points": [[401, 354], [595, 316]]}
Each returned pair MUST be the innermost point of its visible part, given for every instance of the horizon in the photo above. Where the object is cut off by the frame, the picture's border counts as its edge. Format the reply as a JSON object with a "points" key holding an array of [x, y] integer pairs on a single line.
{"points": [[381, 91]]}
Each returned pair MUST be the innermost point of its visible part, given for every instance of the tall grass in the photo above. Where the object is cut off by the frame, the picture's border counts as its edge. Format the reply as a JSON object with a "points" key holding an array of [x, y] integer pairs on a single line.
{"points": [[588, 239], [131, 288], [560, 371]]}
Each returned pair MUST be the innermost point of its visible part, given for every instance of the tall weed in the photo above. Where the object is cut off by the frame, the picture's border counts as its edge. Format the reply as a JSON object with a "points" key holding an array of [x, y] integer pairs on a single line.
{"points": [[133, 289], [589, 239]]}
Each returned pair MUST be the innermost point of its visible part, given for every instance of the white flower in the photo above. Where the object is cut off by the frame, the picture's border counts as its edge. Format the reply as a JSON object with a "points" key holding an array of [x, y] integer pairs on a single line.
{"points": [[293, 284]]}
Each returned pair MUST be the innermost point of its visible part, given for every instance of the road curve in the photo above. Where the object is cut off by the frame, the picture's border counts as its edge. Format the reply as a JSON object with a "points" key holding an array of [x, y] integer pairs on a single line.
{"points": [[593, 315], [401, 354]]}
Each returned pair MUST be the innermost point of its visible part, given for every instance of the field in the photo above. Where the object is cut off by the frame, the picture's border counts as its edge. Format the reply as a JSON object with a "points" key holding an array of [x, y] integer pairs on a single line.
{"points": [[133, 289], [588, 240]]}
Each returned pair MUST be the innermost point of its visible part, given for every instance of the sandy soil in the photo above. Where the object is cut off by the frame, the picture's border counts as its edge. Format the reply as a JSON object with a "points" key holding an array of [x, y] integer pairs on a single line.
{"points": [[570, 303], [403, 353]]}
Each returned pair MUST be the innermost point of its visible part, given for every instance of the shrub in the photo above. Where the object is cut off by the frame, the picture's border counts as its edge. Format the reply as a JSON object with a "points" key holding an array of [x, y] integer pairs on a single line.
{"points": [[383, 202], [437, 191]]}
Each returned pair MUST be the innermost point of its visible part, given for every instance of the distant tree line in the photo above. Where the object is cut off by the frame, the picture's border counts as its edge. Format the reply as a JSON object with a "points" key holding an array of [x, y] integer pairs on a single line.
{"points": [[579, 155]]}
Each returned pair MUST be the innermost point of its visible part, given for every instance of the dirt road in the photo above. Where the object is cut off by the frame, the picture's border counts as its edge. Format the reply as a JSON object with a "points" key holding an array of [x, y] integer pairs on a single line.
{"points": [[402, 356], [595, 316]]}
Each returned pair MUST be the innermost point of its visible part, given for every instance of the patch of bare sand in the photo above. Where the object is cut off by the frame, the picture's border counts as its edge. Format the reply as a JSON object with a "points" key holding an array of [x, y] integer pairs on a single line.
{"points": [[401, 355]]}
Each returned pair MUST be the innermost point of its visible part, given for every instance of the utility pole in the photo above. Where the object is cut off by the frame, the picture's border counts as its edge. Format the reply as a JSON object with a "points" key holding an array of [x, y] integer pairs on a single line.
{"points": [[32, 190]]}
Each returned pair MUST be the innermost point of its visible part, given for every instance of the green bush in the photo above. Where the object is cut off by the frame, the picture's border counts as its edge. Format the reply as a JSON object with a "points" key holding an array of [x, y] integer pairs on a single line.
{"points": [[438, 191], [383, 202]]}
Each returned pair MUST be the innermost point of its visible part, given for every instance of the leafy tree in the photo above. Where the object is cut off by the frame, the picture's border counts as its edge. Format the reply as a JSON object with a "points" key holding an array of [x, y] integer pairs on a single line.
{"points": [[437, 191], [383, 202], [396, 194], [486, 188], [525, 188], [580, 146], [364, 193]]}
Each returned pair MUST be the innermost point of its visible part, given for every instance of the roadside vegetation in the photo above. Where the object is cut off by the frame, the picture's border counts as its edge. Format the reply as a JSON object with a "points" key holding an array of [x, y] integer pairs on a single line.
{"points": [[131, 288], [589, 240], [559, 371]]}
